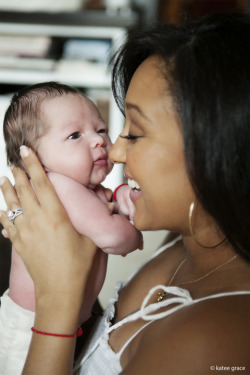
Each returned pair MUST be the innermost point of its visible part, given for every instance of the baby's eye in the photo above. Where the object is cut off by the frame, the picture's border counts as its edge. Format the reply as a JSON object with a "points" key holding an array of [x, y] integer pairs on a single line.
{"points": [[75, 135], [101, 131]]}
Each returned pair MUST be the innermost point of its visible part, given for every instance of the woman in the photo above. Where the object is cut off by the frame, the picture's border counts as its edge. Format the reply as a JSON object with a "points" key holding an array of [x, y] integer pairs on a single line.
{"points": [[185, 151]]}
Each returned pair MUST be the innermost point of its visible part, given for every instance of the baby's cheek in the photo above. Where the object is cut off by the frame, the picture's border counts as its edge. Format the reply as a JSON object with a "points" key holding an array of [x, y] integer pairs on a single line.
{"points": [[110, 166]]}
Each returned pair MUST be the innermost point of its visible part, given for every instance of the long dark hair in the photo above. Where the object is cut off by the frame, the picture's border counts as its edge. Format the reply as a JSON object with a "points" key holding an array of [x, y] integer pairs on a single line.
{"points": [[207, 64]]}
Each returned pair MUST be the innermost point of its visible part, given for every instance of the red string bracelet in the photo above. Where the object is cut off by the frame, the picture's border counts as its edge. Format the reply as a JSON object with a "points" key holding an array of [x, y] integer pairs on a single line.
{"points": [[114, 194], [77, 334]]}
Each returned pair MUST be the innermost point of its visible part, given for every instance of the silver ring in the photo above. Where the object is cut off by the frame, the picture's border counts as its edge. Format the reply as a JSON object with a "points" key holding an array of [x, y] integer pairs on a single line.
{"points": [[14, 213]]}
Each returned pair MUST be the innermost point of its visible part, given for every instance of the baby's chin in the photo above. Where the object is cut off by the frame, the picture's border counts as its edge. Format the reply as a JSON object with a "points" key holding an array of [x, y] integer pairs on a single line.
{"points": [[94, 183], [101, 175]]}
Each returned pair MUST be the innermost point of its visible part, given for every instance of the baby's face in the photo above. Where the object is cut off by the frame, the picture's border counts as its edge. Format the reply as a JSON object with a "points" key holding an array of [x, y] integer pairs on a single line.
{"points": [[77, 142]]}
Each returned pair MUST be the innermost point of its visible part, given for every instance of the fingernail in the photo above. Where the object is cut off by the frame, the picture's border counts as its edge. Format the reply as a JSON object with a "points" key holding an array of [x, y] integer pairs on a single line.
{"points": [[2, 180], [24, 152]]}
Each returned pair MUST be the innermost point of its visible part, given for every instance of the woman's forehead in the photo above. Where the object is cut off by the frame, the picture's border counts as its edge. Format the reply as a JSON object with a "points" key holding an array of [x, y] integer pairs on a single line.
{"points": [[149, 83]]}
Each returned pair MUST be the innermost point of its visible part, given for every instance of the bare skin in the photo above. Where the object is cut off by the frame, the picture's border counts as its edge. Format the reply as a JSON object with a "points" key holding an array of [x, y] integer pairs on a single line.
{"points": [[209, 333], [180, 333]]}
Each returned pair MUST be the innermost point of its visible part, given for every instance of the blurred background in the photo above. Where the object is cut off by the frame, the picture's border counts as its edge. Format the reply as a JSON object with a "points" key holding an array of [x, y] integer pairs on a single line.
{"points": [[71, 42]]}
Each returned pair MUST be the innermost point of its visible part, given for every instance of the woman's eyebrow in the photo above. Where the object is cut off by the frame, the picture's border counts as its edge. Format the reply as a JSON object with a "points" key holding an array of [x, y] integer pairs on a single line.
{"points": [[138, 109]]}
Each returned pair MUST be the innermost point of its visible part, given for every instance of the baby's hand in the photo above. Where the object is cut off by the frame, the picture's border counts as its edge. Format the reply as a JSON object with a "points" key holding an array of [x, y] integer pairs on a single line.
{"points": [[111, 206], [124, 205]]}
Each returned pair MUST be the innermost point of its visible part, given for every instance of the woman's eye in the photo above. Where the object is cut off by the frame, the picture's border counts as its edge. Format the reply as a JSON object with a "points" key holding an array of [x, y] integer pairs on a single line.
{"points": [[130, 137], [75, 135]]}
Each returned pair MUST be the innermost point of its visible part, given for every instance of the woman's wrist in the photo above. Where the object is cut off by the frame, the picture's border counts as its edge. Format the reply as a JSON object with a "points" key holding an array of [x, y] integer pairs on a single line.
{"points": [[63, 335], [59, 321], [58, 313]]}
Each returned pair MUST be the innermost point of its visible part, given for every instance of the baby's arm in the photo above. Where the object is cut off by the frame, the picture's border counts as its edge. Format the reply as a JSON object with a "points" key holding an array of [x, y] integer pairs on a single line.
{"points": [[122, 201], [91, 216]]}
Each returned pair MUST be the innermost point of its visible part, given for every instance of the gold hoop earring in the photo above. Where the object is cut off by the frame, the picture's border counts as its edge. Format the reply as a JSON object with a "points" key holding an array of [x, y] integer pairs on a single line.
{"points": [[191, 209]]}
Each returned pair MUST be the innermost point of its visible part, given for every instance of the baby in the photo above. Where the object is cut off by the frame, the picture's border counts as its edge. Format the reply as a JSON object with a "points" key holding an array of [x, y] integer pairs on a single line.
{"points": [[68, 134]]}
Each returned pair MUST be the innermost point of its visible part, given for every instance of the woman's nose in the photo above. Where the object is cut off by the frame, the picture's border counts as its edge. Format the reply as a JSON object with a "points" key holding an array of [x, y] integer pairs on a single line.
{"points": [[117, 153], [97, 141]]}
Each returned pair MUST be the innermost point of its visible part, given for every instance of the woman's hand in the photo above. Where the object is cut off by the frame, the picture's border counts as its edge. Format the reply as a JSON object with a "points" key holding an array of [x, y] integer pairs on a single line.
{"points": [[58, 260], [56, 256]]}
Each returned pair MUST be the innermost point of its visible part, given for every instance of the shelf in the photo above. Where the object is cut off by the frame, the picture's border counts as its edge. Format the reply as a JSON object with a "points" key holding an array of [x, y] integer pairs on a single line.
{"points": [[82, 18], [91, 75], [115, 34], [92, 79], [79, 73]]}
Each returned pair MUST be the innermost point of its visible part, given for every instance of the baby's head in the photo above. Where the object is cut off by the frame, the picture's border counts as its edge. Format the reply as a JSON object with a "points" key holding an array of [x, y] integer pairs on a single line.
{"points": [[63, 127], [23, 121]]}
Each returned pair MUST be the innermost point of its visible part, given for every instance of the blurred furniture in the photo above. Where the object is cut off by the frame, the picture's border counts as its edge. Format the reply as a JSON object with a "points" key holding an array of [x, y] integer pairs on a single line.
{"points": [[58, 34], [176, 11], [5, 258]]}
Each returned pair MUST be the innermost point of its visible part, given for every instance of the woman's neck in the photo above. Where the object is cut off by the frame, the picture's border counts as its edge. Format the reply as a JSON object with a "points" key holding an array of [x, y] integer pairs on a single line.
{"points": [[210, 266]]}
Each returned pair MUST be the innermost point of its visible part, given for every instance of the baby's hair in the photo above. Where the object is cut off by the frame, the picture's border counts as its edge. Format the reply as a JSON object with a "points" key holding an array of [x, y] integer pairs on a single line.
{"points": [[24, 123]]}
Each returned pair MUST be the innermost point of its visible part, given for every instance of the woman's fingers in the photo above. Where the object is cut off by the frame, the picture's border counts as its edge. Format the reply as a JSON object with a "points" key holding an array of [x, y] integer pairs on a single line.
{"points": [[43, 235], [5, 233], [9, 230], [25, 195], [45, 192], [12, 203], [9, 193]]}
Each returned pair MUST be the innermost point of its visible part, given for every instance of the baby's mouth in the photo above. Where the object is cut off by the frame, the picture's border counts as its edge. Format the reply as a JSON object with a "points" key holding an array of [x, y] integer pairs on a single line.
{"points": [[133, 185]]}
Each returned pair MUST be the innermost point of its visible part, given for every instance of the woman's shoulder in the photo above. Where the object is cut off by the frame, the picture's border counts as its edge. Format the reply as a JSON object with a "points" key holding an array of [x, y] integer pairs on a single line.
{"points": [[213, 332]]}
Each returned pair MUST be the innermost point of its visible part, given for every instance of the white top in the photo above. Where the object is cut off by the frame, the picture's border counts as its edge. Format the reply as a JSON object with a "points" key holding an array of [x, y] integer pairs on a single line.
{"points": [[98, 358], [15, 335]]}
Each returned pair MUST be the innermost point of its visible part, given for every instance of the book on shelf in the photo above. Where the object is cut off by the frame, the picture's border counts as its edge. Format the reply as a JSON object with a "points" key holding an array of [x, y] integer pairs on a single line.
{"points": [[24, 45]]}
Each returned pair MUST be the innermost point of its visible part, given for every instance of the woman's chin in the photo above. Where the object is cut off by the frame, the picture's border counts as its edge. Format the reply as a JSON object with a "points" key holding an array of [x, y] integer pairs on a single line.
{"points": [[139, 223]]}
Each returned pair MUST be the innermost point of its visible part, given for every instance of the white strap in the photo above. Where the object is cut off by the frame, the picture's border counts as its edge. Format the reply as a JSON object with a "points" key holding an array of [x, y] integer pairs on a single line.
{"points": [[183, 298]]}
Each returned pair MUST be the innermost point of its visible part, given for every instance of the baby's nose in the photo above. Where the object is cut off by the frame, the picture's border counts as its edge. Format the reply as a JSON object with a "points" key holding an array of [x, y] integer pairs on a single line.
{"points": [[97, 141]]}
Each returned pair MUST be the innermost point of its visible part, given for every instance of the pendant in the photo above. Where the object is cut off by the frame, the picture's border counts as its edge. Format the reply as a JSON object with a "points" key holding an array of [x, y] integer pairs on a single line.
{"points": [[160, 296]]}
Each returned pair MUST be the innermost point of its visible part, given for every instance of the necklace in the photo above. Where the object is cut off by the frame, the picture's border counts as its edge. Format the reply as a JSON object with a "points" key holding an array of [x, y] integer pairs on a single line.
{"points": [[161, 295]]}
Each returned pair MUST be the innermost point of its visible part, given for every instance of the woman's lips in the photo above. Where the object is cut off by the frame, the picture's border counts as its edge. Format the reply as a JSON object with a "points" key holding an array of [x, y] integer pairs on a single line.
{"points": [[135, 191]]}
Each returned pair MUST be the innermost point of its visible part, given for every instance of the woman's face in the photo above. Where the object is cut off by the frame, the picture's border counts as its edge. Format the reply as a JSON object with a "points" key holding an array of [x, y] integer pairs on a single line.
{"points": [[151, 148]]}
